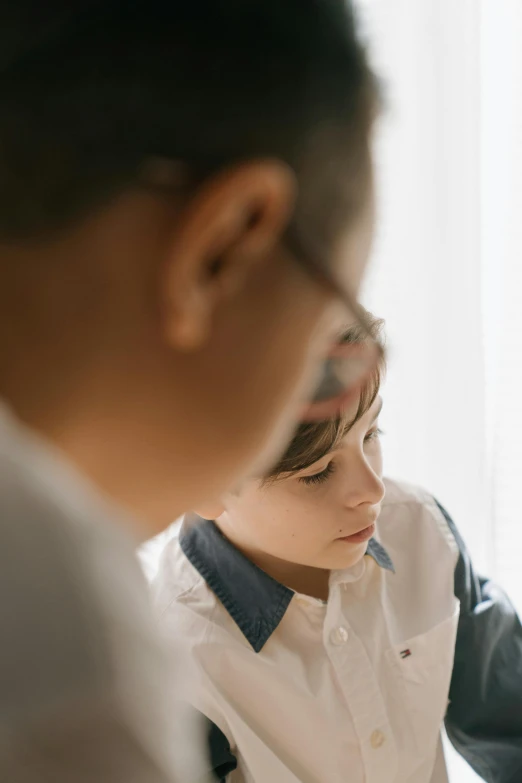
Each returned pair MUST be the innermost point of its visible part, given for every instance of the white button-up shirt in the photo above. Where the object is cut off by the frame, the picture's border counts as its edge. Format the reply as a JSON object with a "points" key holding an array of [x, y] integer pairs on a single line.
{"points": [[354, 689]]}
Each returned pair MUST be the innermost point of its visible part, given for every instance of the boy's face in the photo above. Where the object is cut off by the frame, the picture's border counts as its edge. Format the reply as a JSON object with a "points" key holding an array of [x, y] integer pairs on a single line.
{"points": [[322, 516]]}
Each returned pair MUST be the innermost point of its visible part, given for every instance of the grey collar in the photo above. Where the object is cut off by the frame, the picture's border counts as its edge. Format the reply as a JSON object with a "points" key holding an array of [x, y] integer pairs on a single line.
{"points": [[255, 601]]}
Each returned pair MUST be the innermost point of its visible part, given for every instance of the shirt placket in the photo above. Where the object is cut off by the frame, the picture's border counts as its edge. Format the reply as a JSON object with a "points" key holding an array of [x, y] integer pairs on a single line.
{"points": [[362, 693]]}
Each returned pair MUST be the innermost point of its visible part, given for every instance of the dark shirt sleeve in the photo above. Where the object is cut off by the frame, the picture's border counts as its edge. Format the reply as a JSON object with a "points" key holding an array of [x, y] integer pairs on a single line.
{"points": [[484, 719], [222, 760]]}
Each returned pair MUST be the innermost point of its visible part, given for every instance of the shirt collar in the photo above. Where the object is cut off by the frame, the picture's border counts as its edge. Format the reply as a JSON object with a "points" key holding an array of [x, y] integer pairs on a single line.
{"points": [[254, 600]]}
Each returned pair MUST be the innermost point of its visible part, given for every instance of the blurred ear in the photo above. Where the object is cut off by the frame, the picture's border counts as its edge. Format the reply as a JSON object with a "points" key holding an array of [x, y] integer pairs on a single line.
{"points": [[231, 225], [210, 510]]}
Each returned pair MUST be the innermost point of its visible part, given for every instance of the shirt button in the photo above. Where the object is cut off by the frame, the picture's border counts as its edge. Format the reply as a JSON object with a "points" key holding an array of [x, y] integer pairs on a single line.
{"points": [[339, 635], [377, 739]]}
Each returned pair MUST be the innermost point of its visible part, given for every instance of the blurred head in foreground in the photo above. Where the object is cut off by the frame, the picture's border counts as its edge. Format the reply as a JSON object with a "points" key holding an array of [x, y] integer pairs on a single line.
{"points": [[185, 189], [316, 509]]}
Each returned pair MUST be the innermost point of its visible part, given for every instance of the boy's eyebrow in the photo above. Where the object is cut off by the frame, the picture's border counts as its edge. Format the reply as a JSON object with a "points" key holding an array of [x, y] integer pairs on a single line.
{"points": [[374, 419]]}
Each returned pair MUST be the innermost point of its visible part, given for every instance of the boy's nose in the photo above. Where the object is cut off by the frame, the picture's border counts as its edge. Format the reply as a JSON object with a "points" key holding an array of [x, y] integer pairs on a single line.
{"points": [[365, 487]]}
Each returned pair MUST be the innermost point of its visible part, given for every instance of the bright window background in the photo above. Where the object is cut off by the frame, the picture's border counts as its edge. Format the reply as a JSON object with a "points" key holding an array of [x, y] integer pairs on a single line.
{"points": [[447, 273]]}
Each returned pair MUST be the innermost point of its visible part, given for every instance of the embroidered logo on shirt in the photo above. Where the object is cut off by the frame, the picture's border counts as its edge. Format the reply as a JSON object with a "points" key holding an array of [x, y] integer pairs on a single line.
{"points": [[405, 654]]}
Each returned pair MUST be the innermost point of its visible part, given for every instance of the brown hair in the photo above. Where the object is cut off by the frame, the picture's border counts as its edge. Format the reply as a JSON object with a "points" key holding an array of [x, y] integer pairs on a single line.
{"points": [[313, 440]]}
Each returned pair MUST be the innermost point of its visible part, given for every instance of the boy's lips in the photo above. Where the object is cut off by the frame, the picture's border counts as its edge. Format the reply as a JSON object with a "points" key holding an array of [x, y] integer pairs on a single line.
{"points": [[362, 535]]}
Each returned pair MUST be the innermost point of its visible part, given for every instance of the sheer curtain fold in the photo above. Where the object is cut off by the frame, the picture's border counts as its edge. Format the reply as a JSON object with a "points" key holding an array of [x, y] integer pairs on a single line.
{"points": [[426, 279], [501, 235]]}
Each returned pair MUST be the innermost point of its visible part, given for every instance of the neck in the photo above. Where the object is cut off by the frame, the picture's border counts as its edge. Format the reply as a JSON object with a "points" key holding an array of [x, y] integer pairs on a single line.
{"points": [[129, 457], [78, 358], [300, 578]]}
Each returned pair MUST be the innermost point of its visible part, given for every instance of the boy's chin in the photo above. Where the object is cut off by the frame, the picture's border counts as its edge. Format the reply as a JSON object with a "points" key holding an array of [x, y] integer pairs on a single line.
{"points": [[343, 555]]}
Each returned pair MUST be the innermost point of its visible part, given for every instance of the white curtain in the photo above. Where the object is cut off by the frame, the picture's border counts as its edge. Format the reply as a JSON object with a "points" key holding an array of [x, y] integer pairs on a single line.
{"points": [[501, 236], [447, 273]]}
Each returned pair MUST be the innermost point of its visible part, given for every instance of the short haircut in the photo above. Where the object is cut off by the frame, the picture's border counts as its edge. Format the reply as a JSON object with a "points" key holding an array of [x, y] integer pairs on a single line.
{"points": [[313, 440], [91, 90]]}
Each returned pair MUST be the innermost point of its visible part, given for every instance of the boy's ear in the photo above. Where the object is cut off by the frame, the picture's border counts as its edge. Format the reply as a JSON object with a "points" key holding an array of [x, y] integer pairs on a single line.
{"points": [[231, 225]]}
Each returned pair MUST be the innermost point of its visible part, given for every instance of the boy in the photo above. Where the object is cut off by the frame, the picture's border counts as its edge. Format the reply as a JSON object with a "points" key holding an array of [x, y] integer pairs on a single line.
{"points": [[321, 610], [185, 205]]}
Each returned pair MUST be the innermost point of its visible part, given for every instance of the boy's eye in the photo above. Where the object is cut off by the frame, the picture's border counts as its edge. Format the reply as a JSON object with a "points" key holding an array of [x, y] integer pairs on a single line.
{"points": [[374, 434], [318, 478]]}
